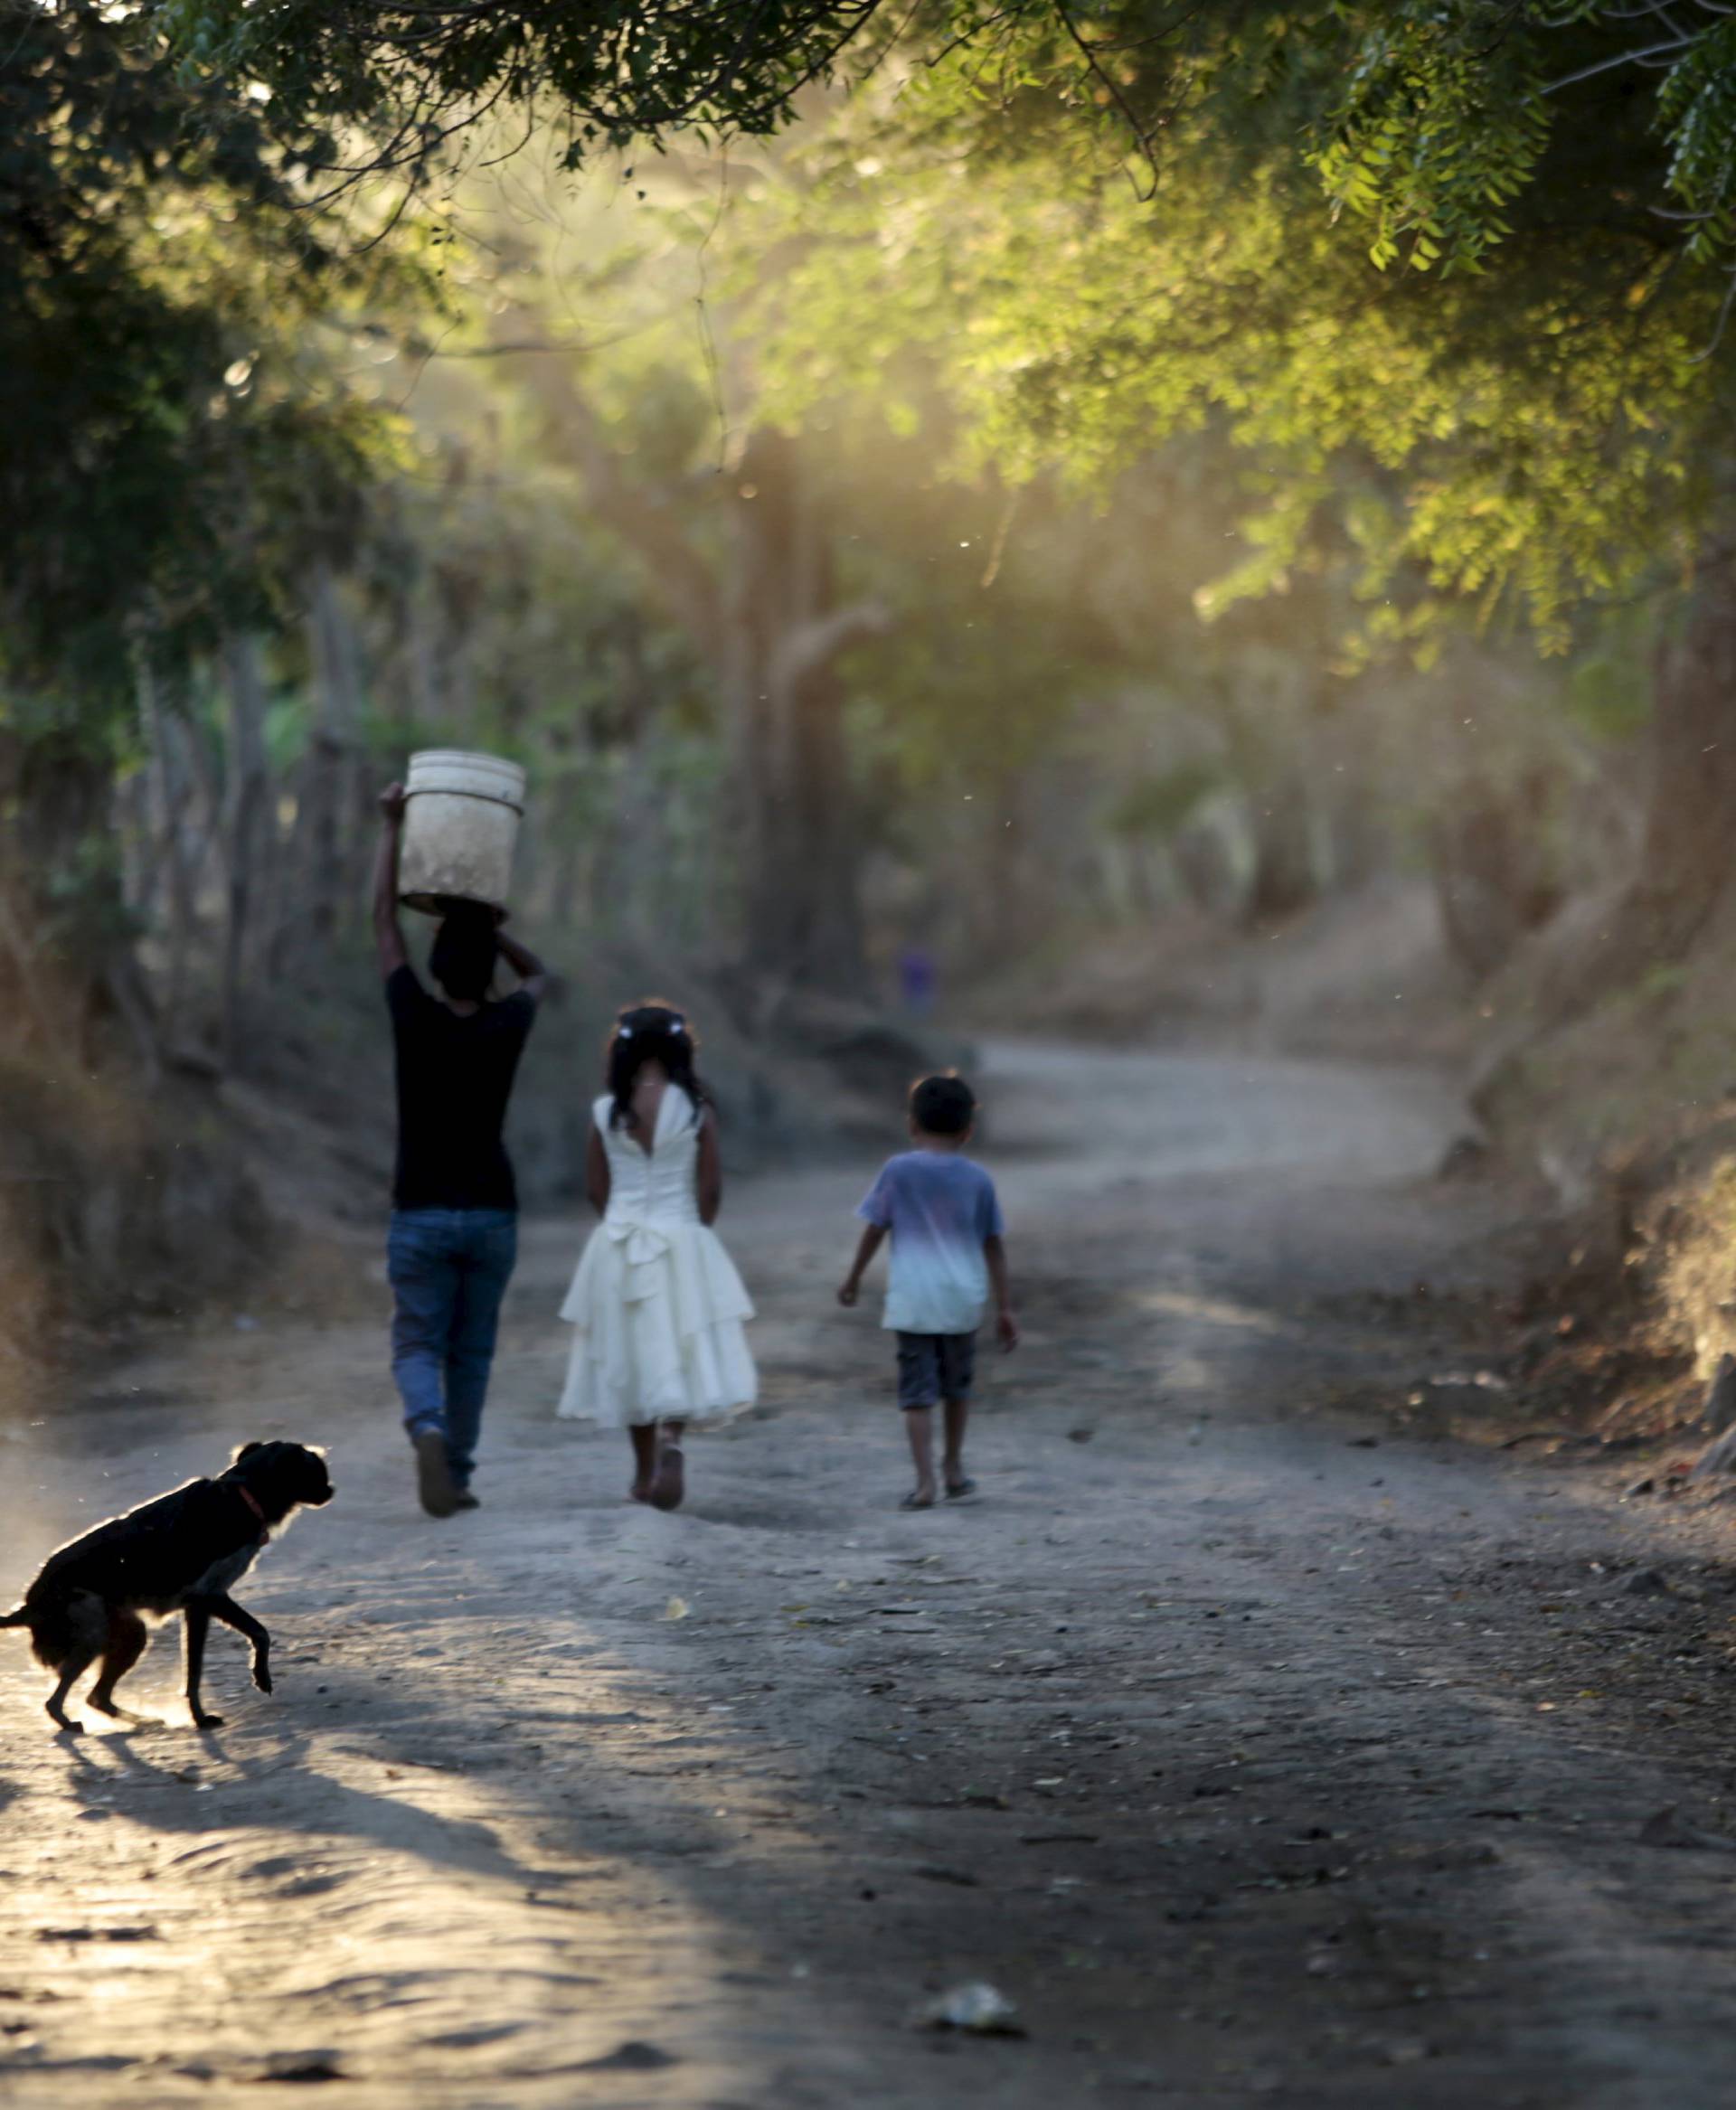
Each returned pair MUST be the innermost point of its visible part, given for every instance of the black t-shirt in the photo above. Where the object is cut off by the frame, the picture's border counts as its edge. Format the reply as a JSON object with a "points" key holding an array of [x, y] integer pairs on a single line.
{"points": [[454, 1075]]}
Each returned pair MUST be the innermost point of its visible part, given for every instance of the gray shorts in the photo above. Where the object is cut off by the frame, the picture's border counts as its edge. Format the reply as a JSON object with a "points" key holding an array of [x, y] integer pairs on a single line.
{"points": [[933, 1367]]}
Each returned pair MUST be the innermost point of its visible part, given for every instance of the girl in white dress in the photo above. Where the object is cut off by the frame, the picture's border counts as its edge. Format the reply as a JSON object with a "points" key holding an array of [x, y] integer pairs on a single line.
{"points": [[657, 1304]]}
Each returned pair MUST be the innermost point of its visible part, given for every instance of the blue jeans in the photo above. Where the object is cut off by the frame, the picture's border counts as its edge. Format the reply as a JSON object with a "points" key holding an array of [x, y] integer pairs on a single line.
{"points": [[448, 1270]]}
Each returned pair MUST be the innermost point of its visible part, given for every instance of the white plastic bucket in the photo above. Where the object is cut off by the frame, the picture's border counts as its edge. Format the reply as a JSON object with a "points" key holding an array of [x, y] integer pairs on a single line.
{"points": [[460, 827]]}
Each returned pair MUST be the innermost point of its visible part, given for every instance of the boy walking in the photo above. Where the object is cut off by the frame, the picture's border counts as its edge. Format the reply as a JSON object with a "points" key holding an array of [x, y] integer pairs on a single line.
{"points": [[948, 1253]]}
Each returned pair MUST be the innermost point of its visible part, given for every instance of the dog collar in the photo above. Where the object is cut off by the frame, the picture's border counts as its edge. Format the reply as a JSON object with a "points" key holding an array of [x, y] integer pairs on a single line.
{"points": [[251, 1501]]}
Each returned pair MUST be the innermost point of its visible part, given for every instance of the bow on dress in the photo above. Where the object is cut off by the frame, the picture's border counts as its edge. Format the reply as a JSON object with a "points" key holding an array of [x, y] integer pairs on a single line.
{"points": [[642, 1246]]}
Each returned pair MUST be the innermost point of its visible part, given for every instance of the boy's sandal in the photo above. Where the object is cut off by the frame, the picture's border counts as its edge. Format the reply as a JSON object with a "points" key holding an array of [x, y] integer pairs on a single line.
{"points": [[915, 1501], [957, 1490]]}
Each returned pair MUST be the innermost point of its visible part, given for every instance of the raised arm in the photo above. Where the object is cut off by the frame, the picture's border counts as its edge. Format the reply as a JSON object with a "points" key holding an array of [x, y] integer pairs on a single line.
{"points": [[711, 1167], [387, 933], [532, 973]]}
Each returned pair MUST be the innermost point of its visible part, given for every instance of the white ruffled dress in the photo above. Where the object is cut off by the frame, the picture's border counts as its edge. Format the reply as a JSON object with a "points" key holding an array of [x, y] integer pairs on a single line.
{"points": [[656, 1305]]}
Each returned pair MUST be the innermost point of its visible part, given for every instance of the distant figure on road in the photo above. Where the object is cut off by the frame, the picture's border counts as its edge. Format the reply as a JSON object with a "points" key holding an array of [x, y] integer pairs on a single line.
{"points": [[949, 1251], [919, 978], [454, 1234], [656, 1305]]}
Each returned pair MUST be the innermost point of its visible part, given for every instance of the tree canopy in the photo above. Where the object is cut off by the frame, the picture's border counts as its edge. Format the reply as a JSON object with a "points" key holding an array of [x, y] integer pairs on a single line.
{"points": [[1426, 117], [172, 431], [1472, 278], [1441, 297], [1438, 292]]}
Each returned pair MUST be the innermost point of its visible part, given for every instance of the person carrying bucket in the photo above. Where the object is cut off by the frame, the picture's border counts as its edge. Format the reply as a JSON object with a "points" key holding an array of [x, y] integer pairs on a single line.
{"points": [[454, 1235]]}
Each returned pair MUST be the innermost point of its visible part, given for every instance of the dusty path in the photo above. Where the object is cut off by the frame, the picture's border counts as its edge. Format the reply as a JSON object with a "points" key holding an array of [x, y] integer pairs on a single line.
{"points": [[1253, 1762]]}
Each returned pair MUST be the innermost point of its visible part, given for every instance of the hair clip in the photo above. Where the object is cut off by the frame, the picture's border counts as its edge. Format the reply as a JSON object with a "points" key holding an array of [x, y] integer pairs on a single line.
{"points": [[676, 1024], [622, 1032]]}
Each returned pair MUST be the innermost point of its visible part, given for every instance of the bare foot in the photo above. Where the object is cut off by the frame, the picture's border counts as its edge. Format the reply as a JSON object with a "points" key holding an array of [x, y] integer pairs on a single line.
{"points": [[640, 1491]]}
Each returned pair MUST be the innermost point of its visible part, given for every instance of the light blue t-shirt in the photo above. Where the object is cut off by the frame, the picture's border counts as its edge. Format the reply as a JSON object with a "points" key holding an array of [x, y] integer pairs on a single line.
{"points": [[939, 1207]]}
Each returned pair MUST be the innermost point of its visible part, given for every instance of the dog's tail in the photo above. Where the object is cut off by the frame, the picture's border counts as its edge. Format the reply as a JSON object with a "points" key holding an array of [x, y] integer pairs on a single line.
{"points": [[52, 1636]]}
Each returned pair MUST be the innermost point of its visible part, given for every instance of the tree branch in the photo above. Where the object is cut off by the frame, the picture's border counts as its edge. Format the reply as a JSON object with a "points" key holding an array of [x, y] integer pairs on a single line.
{"points": [[1677, 44], [809, 648]]}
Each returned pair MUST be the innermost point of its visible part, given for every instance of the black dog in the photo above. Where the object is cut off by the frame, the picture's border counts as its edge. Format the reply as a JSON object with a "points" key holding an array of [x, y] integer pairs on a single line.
{"points": [[182, 1552]]}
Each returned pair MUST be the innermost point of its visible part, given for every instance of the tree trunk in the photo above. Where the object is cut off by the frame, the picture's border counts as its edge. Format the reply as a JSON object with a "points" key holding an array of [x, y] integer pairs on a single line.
{"points": [[67, 936], [325, 826], [1279, 813], [1686, 852], [22, 968], [172, 784], [1492, 869], [791, 761], [776, 631], [422, 646], [247, 821]]}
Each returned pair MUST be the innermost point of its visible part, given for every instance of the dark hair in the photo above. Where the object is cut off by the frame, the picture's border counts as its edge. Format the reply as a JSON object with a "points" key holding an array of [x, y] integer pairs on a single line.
{"points": [[943, 1104], [462, 957], [652, 1032]]}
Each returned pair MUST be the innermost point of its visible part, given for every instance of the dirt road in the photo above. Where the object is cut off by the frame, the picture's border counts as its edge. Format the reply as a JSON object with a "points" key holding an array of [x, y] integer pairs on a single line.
{"points": [[1255, 1758]]}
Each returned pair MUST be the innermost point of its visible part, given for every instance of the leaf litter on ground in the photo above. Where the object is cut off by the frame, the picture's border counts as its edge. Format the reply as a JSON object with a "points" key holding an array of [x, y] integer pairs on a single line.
{"points": [[976, 2008]]}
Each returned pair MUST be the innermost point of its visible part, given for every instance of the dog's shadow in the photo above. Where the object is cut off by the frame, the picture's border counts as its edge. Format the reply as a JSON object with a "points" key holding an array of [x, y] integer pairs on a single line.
{"points": [[250, 1790]]}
